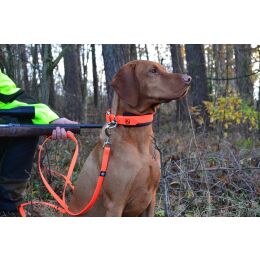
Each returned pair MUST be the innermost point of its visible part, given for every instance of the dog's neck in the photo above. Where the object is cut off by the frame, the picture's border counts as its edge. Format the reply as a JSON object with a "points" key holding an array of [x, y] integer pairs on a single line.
{"points": [[114, 108], [119, 107], [138, 135]]}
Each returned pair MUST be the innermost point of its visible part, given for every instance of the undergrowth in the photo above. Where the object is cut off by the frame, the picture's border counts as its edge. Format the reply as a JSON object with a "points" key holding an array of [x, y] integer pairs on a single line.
{"points": [[206, 174]]}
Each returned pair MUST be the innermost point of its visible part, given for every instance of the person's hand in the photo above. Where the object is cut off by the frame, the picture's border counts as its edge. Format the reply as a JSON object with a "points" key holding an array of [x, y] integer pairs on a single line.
{"points": [[60, 133]]}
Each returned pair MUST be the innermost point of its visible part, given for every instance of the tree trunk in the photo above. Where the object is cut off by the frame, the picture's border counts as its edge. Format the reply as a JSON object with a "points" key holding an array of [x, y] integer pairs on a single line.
{"points": [[219, 69], [209, 66], [177, 60], [158, 53], [95, 76], [146, 51], [229, 59], [24, 60], [47, 92], [114, 56], [10, 62], [85, 71], [73, 93], [178, 67], [243, 68], [83, 97], [35, 68], [133, 52], [2, 58], [197, 70]]}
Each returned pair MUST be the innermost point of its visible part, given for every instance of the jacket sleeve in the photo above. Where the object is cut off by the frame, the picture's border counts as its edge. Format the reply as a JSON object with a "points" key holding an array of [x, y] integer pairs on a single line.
{"points": [[11, 97]]}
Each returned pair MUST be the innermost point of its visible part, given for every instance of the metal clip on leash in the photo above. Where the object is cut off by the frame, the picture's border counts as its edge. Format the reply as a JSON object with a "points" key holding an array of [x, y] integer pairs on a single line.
{"points": [[108, 128]]}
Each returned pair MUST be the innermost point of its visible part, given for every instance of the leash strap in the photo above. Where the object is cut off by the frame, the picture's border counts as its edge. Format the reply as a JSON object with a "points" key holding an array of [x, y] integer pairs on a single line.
{"points": [[61, 201]]}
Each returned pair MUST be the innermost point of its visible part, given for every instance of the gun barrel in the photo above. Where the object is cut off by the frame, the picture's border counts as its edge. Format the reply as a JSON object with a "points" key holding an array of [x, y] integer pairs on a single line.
{"points": [[19, 130]]}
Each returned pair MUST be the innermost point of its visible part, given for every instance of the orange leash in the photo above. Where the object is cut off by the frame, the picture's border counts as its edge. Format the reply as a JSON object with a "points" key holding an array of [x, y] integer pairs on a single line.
{"points": [[63, 205], [112, 122]]}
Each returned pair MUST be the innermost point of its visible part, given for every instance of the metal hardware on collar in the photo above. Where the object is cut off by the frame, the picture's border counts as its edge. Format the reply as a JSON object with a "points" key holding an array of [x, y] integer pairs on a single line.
{"points": [[108, 127], [109, 114]]}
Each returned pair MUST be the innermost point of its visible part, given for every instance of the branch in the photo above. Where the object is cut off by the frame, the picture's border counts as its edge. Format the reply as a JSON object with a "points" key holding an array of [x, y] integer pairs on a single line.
{"points": [[245, 76], [57, 60], [222, 169]]}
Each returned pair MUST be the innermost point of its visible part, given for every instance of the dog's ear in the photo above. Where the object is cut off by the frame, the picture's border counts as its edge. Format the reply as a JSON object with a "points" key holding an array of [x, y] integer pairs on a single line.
{"points": [[126, 84]]}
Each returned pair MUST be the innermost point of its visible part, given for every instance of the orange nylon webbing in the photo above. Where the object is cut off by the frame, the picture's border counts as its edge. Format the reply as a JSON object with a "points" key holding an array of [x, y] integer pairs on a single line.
{"points": [[129, 120], [63, 205]]}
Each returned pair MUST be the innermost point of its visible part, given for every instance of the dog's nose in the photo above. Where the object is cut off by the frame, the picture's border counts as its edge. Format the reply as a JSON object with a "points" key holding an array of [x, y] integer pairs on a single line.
{"points": [[186, 79]]}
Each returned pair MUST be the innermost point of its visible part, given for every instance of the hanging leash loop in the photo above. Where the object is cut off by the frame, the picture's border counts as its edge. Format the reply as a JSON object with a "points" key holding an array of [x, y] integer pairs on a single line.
{"points": [[64, 208]]}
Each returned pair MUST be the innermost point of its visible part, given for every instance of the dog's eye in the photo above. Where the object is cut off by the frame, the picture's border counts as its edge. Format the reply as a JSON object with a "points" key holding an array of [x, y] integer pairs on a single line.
{"points": [[153, 70]]}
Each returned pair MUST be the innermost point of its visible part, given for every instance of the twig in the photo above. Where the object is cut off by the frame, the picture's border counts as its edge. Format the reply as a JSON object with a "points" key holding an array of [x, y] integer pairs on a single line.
{"points": [[220, 169]]}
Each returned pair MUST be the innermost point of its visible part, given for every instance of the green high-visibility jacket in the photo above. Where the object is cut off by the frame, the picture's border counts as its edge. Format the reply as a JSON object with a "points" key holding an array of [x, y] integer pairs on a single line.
{"points": [[11, 97]]}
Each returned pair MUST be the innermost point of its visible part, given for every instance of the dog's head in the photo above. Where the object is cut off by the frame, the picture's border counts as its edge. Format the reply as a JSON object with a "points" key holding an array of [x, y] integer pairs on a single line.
{"points": [[145, 84]]}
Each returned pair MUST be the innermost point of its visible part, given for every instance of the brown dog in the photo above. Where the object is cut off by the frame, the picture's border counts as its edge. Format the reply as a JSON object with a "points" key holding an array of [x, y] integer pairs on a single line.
{"points": [[133, 172]]}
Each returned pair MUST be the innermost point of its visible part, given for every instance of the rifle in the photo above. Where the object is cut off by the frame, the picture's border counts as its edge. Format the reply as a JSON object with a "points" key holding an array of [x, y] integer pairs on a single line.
{"points": [[23, 130], [18, 130]]}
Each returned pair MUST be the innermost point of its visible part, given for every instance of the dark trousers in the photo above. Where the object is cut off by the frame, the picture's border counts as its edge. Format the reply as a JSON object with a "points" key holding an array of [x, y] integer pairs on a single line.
{"points": [[16, 159]]}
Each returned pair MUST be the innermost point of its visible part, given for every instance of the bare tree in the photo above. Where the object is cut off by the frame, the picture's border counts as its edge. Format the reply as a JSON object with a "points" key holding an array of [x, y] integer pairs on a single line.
{"points": [[24, 61], [95, 76], [10, 64], [114, 56], [133, 52], [35, 69], [73, 93], [47, 92], [146, 51], [243, 70], [196, 68], [2, 57], [219, 58], [178, 67], [85, 58]]}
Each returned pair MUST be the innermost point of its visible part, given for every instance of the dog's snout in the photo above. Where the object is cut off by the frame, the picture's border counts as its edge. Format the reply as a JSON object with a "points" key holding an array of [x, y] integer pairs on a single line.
{"points": [[186, 79]]}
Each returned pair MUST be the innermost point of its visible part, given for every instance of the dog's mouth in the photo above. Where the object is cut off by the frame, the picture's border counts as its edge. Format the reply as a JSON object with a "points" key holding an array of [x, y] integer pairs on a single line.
{"points": [[167, 100], [184, 94]]}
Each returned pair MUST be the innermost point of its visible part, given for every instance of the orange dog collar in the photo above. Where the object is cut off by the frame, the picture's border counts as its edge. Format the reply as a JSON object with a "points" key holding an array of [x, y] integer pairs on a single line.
{"points": [[129, 120]]}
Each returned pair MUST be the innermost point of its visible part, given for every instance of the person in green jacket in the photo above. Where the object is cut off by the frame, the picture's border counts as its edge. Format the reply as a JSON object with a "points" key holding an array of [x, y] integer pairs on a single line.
{"points": [[16, 154]]}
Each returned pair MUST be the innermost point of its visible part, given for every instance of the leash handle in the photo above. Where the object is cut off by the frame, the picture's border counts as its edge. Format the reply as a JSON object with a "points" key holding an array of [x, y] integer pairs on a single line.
{"points": [[61, 201]]}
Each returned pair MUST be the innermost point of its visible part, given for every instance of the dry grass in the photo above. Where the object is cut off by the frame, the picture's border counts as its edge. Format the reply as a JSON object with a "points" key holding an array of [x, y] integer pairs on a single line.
{"points": [[205, 175]]}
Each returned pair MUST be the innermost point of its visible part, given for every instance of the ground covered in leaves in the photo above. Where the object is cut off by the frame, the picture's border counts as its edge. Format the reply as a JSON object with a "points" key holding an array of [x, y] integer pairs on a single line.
{"points": [[209, 176]]}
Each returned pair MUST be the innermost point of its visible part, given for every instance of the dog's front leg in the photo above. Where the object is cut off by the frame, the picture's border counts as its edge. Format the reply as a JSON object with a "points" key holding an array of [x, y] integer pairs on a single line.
{"points": [[113, 209], [149, 212], [114, 212]]}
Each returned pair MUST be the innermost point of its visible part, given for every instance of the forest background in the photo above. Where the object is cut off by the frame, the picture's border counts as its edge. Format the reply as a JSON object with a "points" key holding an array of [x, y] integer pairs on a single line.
{"points": [[209, 141]]}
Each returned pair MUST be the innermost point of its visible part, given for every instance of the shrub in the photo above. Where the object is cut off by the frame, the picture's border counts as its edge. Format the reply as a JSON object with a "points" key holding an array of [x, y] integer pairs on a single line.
{"points": [[231, 111]]}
